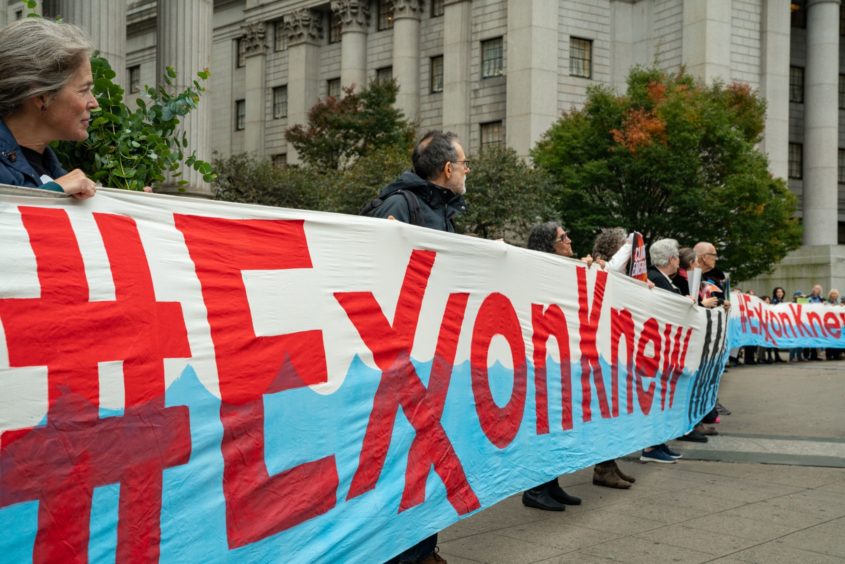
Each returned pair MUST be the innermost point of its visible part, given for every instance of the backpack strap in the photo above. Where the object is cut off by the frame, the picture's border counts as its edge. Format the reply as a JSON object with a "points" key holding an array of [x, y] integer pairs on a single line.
{"points": [[413, 207]]}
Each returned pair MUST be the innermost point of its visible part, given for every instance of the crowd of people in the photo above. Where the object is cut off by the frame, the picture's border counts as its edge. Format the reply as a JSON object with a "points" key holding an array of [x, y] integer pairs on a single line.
{"points": [[46, 95], [766, 355]]}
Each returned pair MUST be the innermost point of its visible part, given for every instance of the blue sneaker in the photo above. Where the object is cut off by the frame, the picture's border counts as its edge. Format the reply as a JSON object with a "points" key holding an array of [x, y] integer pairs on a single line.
{"points": [[665, 448], [656, 455]]}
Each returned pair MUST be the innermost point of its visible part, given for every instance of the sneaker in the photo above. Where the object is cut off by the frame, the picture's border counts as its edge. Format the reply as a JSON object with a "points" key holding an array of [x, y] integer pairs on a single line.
{"points": [[694, 437], [722, 409], [665, 448], [656, 455]]}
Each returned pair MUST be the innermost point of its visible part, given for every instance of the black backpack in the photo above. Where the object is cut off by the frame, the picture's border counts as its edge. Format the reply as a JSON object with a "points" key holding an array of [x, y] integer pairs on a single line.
{"points": [[410, 198]]}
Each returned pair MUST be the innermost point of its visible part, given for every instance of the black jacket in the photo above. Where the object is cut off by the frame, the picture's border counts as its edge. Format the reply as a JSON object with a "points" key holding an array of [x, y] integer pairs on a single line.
{"points": [[438, 206], [661, 281]]}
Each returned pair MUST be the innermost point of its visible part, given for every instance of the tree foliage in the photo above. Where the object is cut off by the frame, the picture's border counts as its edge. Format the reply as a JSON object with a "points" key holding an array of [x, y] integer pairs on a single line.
{"points": [[342, 130], [132, 149], [506, 196], [672, 158]]}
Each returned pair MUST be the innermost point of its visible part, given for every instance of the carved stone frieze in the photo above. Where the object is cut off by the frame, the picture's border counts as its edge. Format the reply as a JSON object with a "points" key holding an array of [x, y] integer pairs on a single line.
{"points": [[407, 8], [354, 14], [303, 26], [254, 43]]}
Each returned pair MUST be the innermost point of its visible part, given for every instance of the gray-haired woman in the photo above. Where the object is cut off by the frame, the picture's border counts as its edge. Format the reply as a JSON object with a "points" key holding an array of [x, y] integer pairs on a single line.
{"points": [[45, 96]]}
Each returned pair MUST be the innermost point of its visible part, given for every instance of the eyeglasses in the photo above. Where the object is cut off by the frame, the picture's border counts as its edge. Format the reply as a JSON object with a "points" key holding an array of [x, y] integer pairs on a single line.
{"points": [[563, 239], [466, 163]]}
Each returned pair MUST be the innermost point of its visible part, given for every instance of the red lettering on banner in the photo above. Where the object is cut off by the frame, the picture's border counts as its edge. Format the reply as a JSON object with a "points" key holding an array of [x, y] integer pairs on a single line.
{"points": [[674, 361], [400, 385], [798, 325], [786, 323], [646, 366], [420, 458], [257, 504], [743, 312], [832, 325], [763, 316], [813, 319], [622, 325], [588, 319], [497, 317], [547, 324], [61, 463]]}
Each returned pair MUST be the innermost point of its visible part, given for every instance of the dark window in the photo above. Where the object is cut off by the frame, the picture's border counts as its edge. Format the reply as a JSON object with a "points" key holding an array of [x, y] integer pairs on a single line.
{"points": [[279, 35], [436, 8], [280, 160], [384, 74], [799, 13], [492, 134], [385, 14], [796, 160], [842, 91], [796, 84], [492, 58], [18, 14], [134, 79], [841, 167], [436, 74], [581, 57], [280, 102], [240, 115], [240, 53], [333, 87], [335, 28]]}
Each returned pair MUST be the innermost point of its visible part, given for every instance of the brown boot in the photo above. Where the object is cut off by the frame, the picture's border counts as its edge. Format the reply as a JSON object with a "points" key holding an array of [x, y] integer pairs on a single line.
{"points": [[622, 474], [604, 474]]}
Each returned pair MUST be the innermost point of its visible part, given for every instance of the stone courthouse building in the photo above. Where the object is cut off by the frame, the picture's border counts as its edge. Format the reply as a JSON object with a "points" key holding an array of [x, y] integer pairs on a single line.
{"points": [[495, 72]]}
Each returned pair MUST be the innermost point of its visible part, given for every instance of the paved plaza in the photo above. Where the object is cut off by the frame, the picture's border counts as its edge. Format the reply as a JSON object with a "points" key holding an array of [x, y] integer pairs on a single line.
{"points": [[770, 489]]}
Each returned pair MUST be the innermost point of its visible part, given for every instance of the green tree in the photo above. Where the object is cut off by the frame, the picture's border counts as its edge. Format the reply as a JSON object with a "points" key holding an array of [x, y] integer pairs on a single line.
{"points": [[341, 130], [506, 196], [672, 158], [132, 149]]}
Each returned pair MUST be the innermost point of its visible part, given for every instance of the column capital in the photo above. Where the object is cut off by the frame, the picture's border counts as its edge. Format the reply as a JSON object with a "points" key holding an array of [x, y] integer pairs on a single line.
{"points": [[254, 35], [407, 9], [814, 2], [354, 14], [303, 26]]}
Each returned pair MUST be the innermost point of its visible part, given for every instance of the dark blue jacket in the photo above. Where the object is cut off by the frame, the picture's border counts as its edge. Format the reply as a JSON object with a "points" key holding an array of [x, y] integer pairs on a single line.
{"points": [[16, 170], [438, 206]]}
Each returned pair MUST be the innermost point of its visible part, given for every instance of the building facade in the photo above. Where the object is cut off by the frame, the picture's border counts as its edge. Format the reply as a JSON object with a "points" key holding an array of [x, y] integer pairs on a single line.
{"points": [[493, 71]]}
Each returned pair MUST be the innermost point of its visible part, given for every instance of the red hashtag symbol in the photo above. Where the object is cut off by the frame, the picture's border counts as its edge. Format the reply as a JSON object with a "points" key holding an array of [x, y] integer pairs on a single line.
{"points": [[61, 463]]}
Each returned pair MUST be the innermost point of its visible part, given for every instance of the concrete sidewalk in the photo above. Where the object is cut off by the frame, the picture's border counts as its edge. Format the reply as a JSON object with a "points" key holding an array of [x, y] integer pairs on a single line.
{"points": [[769, 489]]}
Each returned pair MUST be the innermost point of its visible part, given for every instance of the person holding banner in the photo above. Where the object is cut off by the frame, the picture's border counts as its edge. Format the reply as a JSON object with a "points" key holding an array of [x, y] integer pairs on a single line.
{"points": [[437, 185], [549, 237], [45, 96]]}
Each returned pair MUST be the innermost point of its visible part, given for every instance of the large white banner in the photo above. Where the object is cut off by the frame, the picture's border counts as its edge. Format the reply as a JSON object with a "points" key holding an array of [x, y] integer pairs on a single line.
{"points": [[185, 380]]}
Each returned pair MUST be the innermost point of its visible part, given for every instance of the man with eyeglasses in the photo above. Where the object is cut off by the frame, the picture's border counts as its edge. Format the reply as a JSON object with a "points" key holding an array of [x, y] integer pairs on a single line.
{"points": [[430, 195], [435, 187]]}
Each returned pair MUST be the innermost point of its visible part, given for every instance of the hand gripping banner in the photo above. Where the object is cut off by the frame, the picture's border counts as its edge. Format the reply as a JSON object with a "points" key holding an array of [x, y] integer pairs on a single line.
{"points": [[194, 381]]}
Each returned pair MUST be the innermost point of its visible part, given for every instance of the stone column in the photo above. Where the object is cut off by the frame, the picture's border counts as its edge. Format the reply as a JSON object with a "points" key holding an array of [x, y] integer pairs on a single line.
{"points": [[406, 55], [706, 46], [256, 62], [105, 23], [774, 85], [304, 34], [532, 71], [184, 33], [457, 51], [821, 131], [354, 19]]}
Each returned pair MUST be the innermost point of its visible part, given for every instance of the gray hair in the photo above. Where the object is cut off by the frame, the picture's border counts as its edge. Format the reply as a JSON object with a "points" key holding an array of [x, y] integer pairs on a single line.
{"points": [[39, 56], [687, 257], [431, 154], [542, 237], [662, 251], [608, 241]]}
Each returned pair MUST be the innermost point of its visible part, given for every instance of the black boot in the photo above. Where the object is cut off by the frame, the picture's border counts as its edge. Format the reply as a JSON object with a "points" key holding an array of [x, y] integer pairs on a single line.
{"points": [[561, 496]]}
